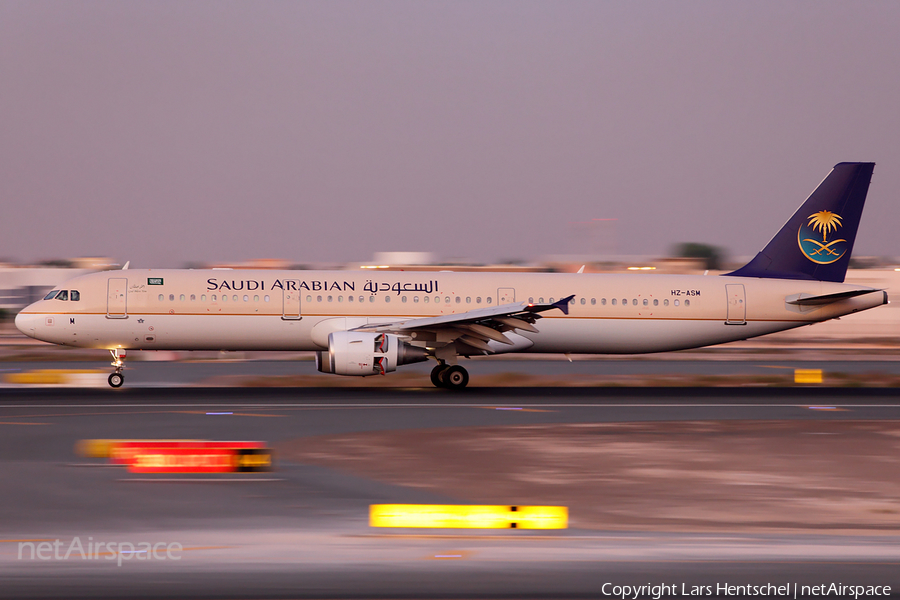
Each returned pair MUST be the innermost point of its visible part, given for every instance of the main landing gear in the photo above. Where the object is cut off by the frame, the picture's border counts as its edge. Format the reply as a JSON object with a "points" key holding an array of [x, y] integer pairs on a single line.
{"points": [[451, 377], [117, 379]]}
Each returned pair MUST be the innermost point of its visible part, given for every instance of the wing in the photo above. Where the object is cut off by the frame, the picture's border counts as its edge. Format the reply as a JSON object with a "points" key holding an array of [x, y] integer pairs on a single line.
{"points": [[470, 332]]}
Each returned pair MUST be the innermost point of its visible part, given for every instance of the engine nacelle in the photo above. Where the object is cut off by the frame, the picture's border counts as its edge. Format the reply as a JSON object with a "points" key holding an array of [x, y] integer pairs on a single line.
{"points": [[362, 353]]}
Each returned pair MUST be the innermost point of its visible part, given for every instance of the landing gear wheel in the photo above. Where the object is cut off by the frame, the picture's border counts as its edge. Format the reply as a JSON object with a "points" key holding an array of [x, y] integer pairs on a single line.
{"points": [[455, 378], [116, 380], [437, 374]]}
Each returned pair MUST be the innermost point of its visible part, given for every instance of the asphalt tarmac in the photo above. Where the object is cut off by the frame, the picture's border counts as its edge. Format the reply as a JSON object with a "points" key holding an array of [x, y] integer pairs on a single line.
{"points": [[196, 372], [301, 531]]}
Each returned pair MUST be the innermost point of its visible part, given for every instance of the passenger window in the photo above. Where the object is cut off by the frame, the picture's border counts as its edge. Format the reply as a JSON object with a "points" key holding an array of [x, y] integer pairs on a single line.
{"points": [[362, 298], [161, 297], [593, 301], [256, 298], [665, 302], [540, 300], [371, 299], [340, 298], [266, 298], [583, 301], [74, 296], [193, 297], [403, 299], [676, 303], [350, 298], [655, 302], [203, 298], [387, 298], [308, 298], [687, 302], [634, 302], [415, 299], [458, 299], [613, 301], [234, 297], [446, 300], [646, 302], [171, 297], [489, 299], [224, 297], [603, 301], [426, 299], [531, 300], [51, 295], [477, 299], [213, 297], [246, 298], [551, 299], [63, 295], [468, 299], [624, 302], [330, 298], [318, 298], [181, 297]]}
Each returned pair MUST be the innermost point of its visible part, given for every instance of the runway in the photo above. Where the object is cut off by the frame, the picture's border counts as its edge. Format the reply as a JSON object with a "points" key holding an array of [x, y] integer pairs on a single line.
{"points": [[205, 372], [302, 531]]}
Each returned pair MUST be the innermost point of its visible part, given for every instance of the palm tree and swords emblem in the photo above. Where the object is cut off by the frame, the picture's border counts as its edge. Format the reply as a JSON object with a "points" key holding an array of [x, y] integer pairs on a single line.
{"points": [[822, 252]]}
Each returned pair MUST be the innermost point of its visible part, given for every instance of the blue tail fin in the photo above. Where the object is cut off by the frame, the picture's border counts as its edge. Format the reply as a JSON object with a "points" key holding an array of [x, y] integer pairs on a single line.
{"points": [[817, 241]]}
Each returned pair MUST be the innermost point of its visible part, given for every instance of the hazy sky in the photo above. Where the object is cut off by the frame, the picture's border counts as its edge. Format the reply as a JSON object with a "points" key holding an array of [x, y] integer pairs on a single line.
{"points": [[168, 132]]}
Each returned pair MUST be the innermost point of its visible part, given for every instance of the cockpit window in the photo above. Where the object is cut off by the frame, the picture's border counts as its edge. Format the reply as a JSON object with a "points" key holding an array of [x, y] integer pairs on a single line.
{"points": [[51, 295], [75, 296], [63, 295]]}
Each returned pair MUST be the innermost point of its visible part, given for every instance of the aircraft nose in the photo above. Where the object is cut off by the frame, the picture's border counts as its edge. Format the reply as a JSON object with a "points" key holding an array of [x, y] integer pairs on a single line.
{"points": [[26, 323]]}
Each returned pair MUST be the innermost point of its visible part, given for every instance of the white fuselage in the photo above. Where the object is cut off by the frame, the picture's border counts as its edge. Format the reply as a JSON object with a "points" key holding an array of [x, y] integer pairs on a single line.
{"points": [[296, 310]]}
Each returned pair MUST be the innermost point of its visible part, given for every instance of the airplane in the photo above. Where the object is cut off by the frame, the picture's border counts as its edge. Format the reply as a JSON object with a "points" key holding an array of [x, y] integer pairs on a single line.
{"points": [[370, 323]]}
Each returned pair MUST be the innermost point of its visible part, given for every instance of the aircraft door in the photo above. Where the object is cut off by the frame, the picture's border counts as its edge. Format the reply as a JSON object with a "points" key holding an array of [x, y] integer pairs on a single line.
{"points": [[116, 298], [737, 306], [291, 296], [506, 296]]}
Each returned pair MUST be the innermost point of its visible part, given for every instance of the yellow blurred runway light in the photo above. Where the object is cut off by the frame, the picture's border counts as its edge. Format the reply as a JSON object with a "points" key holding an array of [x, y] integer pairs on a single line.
{"points": [[53, 377], [807, 375], [459, 516]]}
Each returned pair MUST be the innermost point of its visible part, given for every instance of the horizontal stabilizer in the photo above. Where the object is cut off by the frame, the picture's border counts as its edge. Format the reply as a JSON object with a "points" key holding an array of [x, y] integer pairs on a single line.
{"points": [[808, 300]]}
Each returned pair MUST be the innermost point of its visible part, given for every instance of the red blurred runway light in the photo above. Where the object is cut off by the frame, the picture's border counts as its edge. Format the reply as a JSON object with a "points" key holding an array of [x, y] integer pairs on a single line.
{"points": [[221, 459], [122, 452]]}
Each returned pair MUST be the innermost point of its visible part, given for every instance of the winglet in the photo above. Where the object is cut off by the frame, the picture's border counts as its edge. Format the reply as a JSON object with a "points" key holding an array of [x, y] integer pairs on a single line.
{"points": [[563, 304]]}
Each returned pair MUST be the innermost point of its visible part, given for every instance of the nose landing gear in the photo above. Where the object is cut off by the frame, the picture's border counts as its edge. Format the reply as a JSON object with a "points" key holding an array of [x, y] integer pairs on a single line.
{"points": [[117, 379]]}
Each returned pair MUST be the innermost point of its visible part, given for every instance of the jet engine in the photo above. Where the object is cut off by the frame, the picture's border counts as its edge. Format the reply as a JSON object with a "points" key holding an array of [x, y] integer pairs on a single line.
{"points": [[362, 353]]}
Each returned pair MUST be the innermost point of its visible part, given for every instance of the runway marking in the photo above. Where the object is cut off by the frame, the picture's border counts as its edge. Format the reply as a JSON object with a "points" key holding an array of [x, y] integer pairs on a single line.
{"points": [[449, 556], [235, 414], [517, 408], [198, 480], [22, 423]]}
